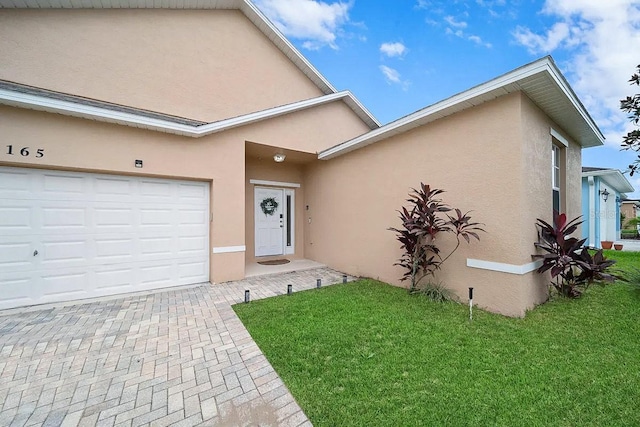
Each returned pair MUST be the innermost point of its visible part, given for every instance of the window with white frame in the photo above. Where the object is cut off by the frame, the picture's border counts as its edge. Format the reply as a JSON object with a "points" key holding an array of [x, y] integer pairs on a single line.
{"points": [[555, 177]]}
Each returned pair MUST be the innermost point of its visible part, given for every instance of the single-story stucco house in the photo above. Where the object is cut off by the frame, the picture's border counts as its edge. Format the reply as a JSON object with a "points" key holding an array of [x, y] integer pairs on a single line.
{"points": [[602, 193], [154, 144]]}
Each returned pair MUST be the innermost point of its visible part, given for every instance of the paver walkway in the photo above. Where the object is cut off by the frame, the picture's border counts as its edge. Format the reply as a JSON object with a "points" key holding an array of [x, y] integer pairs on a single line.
{"points": [[179, 357]]}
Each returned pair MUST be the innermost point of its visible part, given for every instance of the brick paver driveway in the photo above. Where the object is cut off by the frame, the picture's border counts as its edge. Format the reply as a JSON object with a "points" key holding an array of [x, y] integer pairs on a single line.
{"points": [[179, 357]]}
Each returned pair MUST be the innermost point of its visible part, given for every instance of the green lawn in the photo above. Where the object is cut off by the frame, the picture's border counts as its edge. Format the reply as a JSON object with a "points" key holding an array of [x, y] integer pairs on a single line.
{"points": [[368, 354]]}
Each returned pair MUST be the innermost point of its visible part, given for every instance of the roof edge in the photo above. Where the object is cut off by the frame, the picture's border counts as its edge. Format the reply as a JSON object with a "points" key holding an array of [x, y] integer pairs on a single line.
{"points": [[68, 107], [545, 64], [614, 177]]}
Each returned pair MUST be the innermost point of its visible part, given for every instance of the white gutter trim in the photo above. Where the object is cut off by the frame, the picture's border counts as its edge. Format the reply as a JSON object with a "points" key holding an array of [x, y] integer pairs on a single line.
{"points": [[41, 103], [504, 268]]}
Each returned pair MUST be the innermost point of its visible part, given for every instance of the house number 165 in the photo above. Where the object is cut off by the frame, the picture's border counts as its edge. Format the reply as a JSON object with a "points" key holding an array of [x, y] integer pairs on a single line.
{"points": [[24, 151]]}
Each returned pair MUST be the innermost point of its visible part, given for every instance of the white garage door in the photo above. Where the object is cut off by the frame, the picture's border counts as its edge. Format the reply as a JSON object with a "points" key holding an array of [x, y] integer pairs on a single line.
{"points": [[69, 235]]}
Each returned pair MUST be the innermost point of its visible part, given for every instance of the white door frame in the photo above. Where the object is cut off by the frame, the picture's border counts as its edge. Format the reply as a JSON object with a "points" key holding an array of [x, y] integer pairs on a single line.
{"points": [[288, 218]]}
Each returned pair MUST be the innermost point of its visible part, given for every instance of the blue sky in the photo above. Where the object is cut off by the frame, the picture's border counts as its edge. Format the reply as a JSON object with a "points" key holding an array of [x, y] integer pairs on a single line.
{"points": [[398, 56]]}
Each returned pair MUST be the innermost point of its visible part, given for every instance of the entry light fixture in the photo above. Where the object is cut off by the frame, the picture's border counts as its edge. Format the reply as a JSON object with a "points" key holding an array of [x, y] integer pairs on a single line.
{"points": [[605, 195], [279, 158]]}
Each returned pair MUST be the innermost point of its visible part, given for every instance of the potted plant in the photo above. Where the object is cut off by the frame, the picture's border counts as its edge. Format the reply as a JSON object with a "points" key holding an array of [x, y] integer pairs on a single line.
{"points": [[606, 244], [617, 246]]}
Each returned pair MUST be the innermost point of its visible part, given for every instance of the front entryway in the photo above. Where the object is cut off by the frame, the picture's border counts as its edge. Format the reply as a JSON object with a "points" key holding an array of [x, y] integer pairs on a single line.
{"points": [[273, 213]]}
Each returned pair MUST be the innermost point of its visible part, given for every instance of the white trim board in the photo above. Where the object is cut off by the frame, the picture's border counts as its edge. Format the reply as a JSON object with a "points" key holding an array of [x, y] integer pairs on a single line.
{"points": [[274, 183], [229, 249], [503, 267], [554, 133], [103, 114], [539, 80]]}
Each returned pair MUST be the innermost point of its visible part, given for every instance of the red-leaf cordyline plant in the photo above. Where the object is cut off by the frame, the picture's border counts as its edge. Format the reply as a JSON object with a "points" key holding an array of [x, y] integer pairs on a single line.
{"points": [[425, 219], [571, 265]]}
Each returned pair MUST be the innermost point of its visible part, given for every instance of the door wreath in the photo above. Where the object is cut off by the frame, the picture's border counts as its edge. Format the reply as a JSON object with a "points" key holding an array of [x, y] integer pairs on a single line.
{"points": [[269, 206]]}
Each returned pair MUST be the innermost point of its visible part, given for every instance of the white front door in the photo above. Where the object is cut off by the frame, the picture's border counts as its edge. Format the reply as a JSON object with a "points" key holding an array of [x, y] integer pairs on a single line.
{"points": [[269, 221]]}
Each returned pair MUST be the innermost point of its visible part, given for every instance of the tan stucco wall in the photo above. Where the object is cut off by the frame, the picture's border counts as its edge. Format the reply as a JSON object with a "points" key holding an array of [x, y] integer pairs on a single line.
{"points": [[493, 160], [536, 197], [201, 64], [310, 131], [268, 170], [77, 144]]}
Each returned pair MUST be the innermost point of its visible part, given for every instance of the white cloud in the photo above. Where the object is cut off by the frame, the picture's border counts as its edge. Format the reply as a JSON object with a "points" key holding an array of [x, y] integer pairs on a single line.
{"points": [[602, 41], [478, 40], [455, 24], [316, 22], [393, 77], [393, 49], [546, 43]]}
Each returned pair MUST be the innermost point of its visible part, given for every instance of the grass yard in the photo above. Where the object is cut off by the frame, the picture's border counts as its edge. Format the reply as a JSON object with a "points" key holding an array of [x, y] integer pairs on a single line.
{"points": [[368, 354]]}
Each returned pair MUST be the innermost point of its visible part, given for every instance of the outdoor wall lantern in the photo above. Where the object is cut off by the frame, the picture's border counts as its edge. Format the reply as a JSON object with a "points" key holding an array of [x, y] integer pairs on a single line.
{"points": [[279, 158], [605, 195]]}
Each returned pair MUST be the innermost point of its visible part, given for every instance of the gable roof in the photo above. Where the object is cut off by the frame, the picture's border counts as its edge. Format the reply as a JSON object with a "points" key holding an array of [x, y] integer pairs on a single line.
{"points": [[29, 97], [245, 6], [541, 81], [613, 177]]}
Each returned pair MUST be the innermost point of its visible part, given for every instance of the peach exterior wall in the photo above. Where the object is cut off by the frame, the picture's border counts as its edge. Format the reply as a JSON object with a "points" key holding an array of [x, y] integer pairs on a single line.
{"points": [[200, 64], [77, 144], [481, 157], [90, 146]]}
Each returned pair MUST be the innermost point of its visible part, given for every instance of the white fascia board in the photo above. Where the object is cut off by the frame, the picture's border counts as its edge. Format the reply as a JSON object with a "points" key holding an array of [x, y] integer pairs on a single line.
{"points": [[254, 14], [541, 66], [41, 103]]}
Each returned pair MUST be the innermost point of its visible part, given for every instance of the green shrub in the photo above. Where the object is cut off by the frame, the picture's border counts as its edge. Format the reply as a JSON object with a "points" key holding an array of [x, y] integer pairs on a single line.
{"points": [[435, 292], [628, 234]]}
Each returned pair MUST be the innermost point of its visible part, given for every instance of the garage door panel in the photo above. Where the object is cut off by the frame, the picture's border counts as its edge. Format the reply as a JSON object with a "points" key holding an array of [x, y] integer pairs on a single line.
{"points": [[157, 275], [156, 190], [193, 192], [98, 235], [15, 256], [113, 188], [113, 249], [190, 245], [64, 253], [15, 183], [155, 246], [109, 218], [192, 270], [59, 286], [16, 290], [156, 217], [192, 217], [114, 279], [64, 185], [14, 217]]}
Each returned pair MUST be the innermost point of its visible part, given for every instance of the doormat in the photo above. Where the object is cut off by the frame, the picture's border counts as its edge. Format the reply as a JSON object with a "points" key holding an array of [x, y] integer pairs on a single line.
{"points": [[274, 262]]}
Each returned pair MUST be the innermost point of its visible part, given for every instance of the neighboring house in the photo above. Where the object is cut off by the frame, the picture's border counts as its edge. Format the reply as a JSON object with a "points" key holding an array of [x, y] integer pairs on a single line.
{"points": [[139, 146], [630, 209], [602, 193]]}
